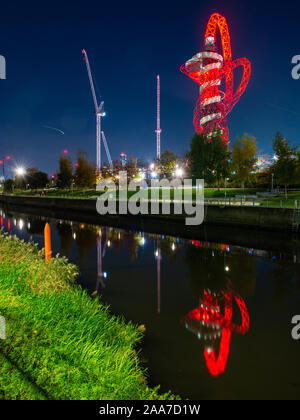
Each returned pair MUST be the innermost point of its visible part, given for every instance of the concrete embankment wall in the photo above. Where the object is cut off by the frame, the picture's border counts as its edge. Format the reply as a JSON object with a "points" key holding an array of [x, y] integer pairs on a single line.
{"points": [[239, 216]]}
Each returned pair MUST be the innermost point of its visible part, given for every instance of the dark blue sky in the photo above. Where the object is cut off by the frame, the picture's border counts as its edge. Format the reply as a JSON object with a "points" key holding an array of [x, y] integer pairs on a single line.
{"points": [[128, 43]]}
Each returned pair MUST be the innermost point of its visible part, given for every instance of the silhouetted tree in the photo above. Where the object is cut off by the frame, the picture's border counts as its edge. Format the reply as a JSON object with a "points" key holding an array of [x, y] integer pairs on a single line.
{"points": [[65, 174], [85, 174], [284, 167]]}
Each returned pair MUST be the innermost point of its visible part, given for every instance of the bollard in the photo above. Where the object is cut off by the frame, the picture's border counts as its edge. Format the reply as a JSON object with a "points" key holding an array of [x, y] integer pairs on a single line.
{"points": [[47, 237]]}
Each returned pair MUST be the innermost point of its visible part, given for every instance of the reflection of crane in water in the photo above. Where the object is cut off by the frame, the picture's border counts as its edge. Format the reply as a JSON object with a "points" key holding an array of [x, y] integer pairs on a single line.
{"points": [[158, 261], [101, 276], [209, 324]]}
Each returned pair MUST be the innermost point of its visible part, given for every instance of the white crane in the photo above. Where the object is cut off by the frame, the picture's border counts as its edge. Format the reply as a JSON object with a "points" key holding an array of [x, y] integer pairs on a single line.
{"points": [[99, 113], [106, 149]]}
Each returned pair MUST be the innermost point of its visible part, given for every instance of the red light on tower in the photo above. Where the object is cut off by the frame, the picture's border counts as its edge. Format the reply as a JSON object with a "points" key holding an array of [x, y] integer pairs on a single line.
{"points": [[8, 158], [76, 164], [65, 152], [1, 162], [208, 68]]}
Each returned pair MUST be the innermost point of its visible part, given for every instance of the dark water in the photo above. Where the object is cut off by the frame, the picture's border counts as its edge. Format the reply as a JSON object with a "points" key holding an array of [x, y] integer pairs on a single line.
{"points": [[238, 344]]}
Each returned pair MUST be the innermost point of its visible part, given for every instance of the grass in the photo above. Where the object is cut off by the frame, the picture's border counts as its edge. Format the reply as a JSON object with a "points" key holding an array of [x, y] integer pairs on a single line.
{"points": [[209, 193], [61, 344], [281, 201], [88, 193]]}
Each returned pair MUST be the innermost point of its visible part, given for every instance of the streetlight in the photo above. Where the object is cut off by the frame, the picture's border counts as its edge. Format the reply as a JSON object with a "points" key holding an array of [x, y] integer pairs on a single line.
{"points": [[179, 172], [225, 185], [20, 171], [272, 184]]}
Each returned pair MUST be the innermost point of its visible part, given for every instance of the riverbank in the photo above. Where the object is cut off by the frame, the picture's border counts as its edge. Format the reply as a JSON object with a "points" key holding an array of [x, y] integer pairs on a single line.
{"points": [[216, 213], [60, 343]]}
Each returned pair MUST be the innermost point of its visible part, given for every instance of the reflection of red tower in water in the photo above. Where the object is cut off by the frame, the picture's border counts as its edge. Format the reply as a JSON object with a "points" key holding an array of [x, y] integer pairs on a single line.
{"points": [[208, 320], [208, 68]]}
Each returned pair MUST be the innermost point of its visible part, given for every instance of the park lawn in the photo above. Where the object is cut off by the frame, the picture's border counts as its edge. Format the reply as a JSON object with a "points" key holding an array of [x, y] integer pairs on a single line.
{"points": [[281, 201], [60, 343], [89, 193]]}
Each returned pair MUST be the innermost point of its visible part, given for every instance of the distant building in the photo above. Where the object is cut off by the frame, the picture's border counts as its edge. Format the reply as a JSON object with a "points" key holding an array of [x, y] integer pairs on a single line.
{"points": [[123, 159]]}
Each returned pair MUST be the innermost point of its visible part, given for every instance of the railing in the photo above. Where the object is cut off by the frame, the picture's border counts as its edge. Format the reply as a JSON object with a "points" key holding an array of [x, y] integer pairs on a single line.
{"points": [[245, 200], [253, 201]]}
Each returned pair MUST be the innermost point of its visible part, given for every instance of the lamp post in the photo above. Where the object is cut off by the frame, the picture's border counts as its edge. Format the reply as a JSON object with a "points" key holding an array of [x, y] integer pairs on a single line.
{"points": [[225, 185], [272, 183], [20, 172], [2, 162]]}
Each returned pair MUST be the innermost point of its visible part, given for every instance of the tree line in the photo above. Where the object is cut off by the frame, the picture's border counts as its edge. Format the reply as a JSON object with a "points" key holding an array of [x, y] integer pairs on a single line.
{"points": [[210, 159]]}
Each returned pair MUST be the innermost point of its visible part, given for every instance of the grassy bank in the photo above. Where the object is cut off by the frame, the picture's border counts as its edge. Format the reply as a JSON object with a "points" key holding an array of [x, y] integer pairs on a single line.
{"points": [[60, 343]]}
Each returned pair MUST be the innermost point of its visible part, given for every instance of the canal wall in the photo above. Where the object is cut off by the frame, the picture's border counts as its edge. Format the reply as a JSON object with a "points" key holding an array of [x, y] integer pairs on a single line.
{"points": [[277, 219]]}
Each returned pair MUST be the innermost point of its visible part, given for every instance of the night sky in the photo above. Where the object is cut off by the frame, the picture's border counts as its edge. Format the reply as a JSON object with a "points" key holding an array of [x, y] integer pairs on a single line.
{"points": [[128, 44]]}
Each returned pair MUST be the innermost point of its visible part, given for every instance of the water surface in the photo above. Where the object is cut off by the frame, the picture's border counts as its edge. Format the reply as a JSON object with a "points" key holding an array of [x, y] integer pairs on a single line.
{"points": [[217, 316]]}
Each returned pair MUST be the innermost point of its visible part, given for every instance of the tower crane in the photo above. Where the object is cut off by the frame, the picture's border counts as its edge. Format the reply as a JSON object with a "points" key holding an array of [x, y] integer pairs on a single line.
{"points": [[99, 111]]}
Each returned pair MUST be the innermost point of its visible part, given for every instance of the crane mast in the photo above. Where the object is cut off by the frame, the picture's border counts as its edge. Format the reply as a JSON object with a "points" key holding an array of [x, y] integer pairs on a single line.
{"points": [[158, 129], [98, 111]]}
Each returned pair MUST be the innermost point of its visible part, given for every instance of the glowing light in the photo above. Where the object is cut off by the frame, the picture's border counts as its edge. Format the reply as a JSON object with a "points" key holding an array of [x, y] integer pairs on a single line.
{"points": [[21, 224], [20, 171], [152, 166], [208, 68], [226, 268], [179, 172], [108, 244], [105, 274], [153, 174], [65, 152]]}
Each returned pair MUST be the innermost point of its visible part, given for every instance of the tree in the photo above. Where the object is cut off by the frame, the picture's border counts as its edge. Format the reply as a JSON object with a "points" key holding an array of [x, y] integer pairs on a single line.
{"points": [[8, 185], [65, 174], [85, 173], [35, 178], [219, 157], [244, 158], [168, 162], [208, 157], [284, 167]]}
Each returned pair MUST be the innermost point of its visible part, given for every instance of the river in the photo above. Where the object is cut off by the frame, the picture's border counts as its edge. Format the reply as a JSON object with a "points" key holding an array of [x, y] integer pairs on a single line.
{"points": [[217, 316]]}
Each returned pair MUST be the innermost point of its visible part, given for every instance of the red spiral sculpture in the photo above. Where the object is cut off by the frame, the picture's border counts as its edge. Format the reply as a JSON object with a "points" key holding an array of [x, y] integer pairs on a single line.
{"points": [[208, 68]]}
